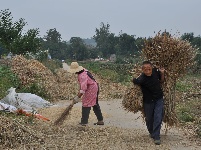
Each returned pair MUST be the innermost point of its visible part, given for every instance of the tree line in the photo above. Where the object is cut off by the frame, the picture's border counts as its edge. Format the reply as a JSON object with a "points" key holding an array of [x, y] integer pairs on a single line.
{"points": [[12, 39]]}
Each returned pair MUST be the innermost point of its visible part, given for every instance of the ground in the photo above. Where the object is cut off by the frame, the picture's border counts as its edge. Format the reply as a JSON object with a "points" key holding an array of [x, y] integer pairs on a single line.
{"points": [[122, 130]]}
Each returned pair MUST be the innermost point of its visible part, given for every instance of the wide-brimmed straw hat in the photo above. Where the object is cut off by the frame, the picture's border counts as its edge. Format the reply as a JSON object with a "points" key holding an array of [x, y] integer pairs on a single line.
{"points": [[74, 67]]}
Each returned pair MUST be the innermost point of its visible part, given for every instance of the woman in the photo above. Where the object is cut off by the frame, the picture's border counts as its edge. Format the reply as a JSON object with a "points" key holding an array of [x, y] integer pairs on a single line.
{"points": [[89, 91]]}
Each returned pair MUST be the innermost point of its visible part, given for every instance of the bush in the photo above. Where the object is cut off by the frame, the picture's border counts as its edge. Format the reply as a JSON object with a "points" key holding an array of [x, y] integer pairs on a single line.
{"points": [[7, 80], [35, 89]]}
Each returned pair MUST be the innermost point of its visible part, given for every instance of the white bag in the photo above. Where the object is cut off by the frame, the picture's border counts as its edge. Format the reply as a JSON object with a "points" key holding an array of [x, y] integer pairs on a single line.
{"points": [[26, 101]]}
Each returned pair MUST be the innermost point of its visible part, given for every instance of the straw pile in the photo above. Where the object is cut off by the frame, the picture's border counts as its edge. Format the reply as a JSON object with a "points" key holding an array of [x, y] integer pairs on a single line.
{"points": [[175, 55], [55, 85], [14, 134]]}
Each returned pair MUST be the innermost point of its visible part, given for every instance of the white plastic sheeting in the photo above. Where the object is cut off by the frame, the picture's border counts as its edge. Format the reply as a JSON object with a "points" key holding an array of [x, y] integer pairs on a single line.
{"points": [[25, 101], [10, 108]]}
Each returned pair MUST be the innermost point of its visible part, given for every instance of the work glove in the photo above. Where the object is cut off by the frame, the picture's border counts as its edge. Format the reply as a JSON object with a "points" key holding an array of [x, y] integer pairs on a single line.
{"points": [[76, 99]]}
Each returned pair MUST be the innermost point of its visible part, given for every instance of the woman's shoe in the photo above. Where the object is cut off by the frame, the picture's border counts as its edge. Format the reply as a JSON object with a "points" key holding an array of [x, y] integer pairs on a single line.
{"points": [[99, 123]]}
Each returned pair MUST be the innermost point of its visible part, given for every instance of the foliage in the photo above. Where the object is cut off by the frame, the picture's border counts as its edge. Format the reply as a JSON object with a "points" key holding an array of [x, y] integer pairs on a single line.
{"points": [[184, 116], [53, 36], [11, 35], [105, 40], [182, 87], [7, 80], [78, 50], [34, 89]]}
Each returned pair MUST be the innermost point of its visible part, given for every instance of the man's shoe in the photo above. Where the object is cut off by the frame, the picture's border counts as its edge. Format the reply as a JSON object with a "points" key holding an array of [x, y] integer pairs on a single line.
{"points": [[151, 136], [157, 142]]}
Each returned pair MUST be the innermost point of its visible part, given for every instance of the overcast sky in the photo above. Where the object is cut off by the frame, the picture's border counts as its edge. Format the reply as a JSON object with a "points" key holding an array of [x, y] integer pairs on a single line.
{"points": [[80, 18]]}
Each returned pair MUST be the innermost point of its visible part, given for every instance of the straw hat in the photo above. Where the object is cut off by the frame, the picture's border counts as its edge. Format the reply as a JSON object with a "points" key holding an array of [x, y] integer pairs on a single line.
{"points": [[74, 67]]}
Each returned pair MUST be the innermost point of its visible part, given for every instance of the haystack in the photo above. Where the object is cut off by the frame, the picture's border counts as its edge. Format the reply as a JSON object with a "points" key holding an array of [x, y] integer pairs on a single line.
{"points": [[175, 55]]}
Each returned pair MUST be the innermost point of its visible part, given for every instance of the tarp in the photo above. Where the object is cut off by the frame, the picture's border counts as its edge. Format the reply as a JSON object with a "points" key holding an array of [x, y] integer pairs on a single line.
{"points": [[26, 101]]}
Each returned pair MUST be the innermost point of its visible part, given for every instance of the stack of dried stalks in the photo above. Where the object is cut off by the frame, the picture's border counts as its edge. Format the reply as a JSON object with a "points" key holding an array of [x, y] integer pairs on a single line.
{"points": [[57, 86], [175, 55], [14, 134]]}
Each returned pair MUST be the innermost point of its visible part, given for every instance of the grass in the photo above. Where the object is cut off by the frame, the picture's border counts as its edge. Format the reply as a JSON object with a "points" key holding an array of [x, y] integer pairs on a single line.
{"points": [[189, 109]]}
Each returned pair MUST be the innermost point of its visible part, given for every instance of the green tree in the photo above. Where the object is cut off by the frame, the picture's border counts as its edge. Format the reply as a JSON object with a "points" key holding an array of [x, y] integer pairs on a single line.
{"points": [[105, 40], [52, 42], [78, 49], [27, 42], [188, 36], [11, 35], [53, 36]]}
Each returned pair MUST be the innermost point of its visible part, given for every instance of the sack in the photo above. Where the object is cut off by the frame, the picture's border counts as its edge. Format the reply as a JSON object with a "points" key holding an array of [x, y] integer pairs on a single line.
{"points": [[26, 101]]}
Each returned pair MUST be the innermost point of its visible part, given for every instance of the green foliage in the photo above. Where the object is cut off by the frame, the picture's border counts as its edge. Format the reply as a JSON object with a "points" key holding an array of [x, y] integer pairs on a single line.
{"points": [[7, 80], [78, 50], [35, 88], [185, 116], [11, 35], [183, 87], [53, 36]]}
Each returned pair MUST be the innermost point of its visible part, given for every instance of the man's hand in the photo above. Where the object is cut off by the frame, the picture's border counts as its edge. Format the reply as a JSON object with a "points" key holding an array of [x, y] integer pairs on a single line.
{"points": [[162, 70]]}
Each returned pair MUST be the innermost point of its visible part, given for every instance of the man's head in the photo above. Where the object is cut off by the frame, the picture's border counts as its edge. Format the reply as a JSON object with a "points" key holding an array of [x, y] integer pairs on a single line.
{"points": [[147, 68]]}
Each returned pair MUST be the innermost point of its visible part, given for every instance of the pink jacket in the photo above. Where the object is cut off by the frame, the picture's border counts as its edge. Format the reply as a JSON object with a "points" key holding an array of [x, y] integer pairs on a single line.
{"points": [[89, 88]]}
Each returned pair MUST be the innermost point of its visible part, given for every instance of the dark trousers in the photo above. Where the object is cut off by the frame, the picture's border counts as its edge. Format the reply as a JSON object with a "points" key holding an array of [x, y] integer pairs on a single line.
{"points": [[86, 111], [153, 117]]}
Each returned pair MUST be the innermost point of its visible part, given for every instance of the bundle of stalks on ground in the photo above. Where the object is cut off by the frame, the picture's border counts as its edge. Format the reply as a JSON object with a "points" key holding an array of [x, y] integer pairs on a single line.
{"points": [[175, 55], [58, 85]]}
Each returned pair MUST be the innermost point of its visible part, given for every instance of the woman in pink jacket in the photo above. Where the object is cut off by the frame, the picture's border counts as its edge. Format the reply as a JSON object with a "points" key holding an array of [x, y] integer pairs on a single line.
{"points": [[89, 91]]}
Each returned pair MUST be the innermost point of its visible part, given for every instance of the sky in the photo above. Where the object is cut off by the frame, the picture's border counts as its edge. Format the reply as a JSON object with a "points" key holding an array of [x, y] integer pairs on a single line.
{"points": [[80, 18]]}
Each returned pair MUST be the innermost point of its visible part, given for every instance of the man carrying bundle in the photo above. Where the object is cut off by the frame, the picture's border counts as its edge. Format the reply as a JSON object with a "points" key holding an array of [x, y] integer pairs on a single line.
{"points": [[153, 102]]}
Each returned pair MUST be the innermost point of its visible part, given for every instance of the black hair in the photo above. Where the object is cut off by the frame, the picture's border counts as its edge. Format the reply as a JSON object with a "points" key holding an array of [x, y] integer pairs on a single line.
{"points": [[80, 71], [146, 62]]}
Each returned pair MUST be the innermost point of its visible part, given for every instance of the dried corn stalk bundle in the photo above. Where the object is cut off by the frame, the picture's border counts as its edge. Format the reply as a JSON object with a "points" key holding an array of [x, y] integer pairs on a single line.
{"points": [[133, 99], [175, 55]]}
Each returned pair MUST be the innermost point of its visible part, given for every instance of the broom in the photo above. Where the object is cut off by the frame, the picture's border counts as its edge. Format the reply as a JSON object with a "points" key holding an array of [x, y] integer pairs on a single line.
{"points": [[63, 116]]}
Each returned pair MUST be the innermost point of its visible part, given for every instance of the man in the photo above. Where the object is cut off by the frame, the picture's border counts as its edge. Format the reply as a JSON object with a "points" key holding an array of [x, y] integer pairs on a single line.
{"points": [[153, 102]]}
